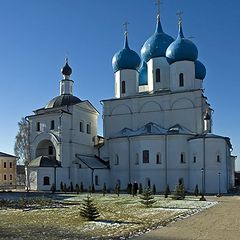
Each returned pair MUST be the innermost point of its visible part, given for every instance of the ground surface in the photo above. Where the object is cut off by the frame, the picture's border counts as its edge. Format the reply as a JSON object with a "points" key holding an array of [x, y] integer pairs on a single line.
{"points": [[120, 217], [221, 222]]}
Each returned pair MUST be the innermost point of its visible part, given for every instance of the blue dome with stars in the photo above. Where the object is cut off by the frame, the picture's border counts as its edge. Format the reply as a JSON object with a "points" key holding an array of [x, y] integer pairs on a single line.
{"points": [[181, 49], [143, 75], [157, 44], [200, 70], [126, 58]]}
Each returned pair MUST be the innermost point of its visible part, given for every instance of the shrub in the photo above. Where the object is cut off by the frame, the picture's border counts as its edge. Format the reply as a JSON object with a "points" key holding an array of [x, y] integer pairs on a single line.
{"points": [[117, 189], [196, 191], [154, 189], [88, 210], [146, 198], [81, 187], [77, 189], [167, 191], [104, 190], [179, 192], [140, 188]]}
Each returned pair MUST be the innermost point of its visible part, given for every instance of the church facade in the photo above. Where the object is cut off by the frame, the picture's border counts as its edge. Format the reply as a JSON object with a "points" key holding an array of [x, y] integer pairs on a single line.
{"points": [[156, 130]]}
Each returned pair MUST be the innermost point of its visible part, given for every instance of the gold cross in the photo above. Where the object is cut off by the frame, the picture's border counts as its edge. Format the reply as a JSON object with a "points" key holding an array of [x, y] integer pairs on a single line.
{"points": [[179, 14]]}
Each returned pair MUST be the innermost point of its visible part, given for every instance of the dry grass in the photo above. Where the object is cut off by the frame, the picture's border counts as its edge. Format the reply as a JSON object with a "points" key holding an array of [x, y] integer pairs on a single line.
{"points": [[120, 216]]}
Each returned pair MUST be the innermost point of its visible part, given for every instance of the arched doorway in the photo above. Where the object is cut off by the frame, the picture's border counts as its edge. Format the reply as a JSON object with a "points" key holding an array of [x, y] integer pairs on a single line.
{"points": [[45, 148]]}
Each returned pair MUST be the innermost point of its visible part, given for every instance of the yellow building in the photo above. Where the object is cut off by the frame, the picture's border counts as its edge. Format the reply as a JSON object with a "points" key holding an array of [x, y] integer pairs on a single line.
{"points": [[7, 170]]}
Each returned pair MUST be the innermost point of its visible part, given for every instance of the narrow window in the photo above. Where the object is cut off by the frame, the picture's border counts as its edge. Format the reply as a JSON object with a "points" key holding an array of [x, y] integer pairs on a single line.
{"points": [[38, 126], [137, 159], [116, 161], [123, 87], [194, 159], [5, 177], [218, 158], [158, 158], [10, 165], [96, 180], [182, 158], [46, 181], [5, 165], [81, 126], [52, 125], [181, 80], [158, 75], [10, 177], [88, 128], [50, 150], [145, 156]]}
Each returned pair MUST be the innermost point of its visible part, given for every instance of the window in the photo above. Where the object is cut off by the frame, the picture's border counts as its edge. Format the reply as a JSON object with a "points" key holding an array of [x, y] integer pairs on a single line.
{"points": [[123, 87], [218, 158], [145, 156], [50, 150], [149, 128], [5, 177], [52, 125], [181, 80], [5, 165], [81, 126], [96, 180], [10, 165], [88, 128], [137, 159], [158, 158], [10, 177], [46, 181], [116, 160], [158, 75], [38, 126], [194, 159], [182, 158]]}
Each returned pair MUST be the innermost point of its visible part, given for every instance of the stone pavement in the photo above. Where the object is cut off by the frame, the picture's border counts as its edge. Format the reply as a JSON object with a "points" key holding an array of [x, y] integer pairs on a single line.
{"points": [[220, 222]]}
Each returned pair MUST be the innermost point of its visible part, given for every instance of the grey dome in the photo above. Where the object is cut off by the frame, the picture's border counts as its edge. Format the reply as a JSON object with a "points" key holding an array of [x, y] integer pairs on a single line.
{"points": [[63, 100]]}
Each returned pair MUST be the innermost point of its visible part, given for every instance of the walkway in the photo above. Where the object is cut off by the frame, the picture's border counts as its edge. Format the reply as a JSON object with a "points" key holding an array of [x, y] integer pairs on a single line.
{"points": [[221, 222]]}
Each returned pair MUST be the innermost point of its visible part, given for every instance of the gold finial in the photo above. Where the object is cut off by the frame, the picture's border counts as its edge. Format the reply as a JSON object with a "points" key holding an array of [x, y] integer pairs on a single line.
{"points": [[179, 14], [125, 25]]}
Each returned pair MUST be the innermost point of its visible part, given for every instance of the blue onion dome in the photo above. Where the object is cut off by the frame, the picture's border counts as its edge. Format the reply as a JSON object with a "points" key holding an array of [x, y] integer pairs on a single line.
{"points": [[143, 74], [126, 58], [200, 70], [66, 70], [181, 49], [157, 44]]}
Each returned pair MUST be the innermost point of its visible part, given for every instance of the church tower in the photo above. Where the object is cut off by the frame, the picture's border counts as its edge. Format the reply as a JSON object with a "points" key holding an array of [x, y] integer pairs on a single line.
{"points": [[125, 64]]}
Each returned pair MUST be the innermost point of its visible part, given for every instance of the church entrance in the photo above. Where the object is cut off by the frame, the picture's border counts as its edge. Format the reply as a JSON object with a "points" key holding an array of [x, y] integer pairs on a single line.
{"points": [[45, 148]]}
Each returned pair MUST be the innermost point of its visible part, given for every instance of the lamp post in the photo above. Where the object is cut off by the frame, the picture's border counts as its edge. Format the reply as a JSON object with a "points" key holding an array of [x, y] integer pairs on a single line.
{"points": [[219, 185], [202, 196]]}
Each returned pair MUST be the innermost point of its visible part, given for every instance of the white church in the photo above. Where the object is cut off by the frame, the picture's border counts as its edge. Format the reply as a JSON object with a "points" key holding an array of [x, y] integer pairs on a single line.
{"points": [[156, 130]]}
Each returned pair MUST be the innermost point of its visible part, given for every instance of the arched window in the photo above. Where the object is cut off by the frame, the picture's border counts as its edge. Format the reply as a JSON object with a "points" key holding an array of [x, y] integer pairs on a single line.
{"points": [[96, 180], [46, 181], [218, 158], [145, 156], [194, 158], [123, 87], [10, 177], [158, 75], [182, 158], [116, 161], [158, 158], [52, 125], [181, 80]]}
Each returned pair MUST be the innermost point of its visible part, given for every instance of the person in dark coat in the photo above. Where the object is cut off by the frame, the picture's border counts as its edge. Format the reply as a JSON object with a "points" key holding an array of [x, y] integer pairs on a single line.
{"points": [[135, 188]]}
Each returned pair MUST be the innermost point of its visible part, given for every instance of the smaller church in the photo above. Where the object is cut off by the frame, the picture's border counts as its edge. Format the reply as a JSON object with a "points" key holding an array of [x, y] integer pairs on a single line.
{"points": [[157, 129]]}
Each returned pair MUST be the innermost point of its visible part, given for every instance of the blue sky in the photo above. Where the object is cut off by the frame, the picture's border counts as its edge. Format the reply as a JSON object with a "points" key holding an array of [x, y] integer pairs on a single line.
{"points": [[36, 36]]}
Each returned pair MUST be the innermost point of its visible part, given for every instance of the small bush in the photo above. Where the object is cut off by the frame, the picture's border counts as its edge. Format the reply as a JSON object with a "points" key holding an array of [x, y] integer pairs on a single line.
{"points": [[146, 198], [88, 210]]}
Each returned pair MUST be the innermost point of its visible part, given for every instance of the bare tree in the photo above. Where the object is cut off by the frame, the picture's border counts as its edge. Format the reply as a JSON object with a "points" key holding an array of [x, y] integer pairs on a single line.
{"points": [[22, 143]]}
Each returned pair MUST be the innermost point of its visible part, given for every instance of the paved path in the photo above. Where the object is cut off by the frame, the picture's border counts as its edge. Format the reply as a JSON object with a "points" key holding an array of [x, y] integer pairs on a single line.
{"points": [[221, 222]]}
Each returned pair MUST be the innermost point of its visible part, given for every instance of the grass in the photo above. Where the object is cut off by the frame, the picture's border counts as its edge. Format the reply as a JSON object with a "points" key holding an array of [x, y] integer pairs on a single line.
{"points": [[121, 216]]}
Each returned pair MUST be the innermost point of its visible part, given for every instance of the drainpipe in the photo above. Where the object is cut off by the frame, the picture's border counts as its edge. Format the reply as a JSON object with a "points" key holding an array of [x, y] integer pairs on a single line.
{"points": [[129, 161], [166, 160], [204, 161]]}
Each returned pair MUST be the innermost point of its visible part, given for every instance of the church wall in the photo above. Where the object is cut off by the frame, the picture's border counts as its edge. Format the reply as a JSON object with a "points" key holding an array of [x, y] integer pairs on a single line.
{"points": [[188, 70], [162, 64], [165, 110]]}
